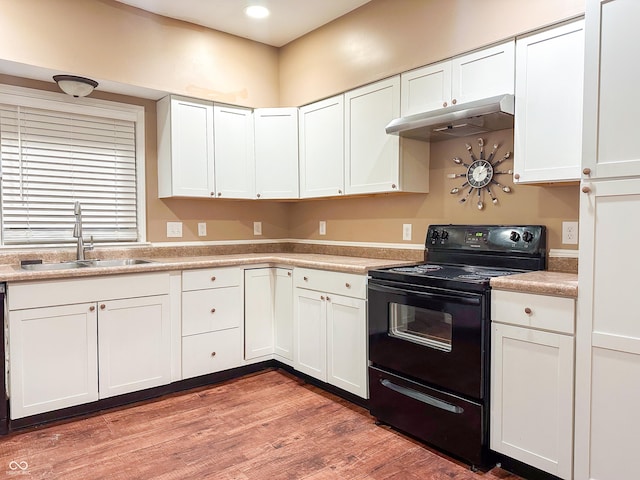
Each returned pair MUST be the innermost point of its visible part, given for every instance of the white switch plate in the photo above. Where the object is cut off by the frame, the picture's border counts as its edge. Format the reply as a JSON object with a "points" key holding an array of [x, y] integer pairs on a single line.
{"points": [[202, 229], [174, 229], [406, 231], [257, 228], [323, 227], [570, 233]]}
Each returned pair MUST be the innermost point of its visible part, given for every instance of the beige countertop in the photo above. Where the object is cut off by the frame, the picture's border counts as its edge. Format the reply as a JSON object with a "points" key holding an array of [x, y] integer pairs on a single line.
{"points": [[357, 265], [541, 282]]}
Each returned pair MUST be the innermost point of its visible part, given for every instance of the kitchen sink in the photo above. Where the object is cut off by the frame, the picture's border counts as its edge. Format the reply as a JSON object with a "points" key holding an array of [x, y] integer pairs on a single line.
{"points": [[120, 262]]}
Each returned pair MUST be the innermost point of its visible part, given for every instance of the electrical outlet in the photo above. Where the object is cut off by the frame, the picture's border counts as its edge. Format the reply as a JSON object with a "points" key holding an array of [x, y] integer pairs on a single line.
{"points": [[406, 231], [323, 227], [202, 229], [570, 233], [174, 229], [257, 228]]}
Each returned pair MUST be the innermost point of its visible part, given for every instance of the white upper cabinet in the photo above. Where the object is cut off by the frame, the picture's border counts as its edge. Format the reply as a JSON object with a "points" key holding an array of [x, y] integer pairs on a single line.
{"points": [[276, 152], [185, 147], [321, 134], [548, 107], [612, 95], [482, 74], [234, 152]]}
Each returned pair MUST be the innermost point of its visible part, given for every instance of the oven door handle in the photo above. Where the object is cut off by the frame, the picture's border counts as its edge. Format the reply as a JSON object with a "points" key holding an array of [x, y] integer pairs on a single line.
{"points": [[422, 397], [475, 300]]}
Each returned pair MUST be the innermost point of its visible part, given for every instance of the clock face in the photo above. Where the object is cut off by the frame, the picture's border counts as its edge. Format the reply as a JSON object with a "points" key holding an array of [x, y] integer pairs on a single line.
{"points": [[479, 174]]}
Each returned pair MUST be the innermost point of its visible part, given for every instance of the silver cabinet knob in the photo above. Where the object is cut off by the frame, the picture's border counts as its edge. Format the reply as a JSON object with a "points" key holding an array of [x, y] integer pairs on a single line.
{"points": [[444, 104], [454, 101]]}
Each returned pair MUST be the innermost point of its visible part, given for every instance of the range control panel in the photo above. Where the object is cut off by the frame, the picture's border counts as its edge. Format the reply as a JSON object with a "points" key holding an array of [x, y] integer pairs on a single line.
{"points": [[489, 238]]}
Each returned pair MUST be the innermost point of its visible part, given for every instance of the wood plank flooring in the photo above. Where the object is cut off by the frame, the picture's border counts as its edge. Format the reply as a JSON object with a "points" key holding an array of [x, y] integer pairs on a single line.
{"points": [[267, 426]]}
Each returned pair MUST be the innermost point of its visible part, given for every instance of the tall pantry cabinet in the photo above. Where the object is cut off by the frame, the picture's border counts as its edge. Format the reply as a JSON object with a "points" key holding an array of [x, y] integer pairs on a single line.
{"points": [[607, 393]]}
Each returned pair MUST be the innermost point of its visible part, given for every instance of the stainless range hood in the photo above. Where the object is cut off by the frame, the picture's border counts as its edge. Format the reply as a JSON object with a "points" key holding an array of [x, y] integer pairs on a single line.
{"points": [[472, 118]]}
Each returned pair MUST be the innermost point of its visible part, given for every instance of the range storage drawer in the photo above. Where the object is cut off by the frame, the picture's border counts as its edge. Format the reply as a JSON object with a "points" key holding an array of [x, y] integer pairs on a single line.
{"points": [[339, 283], [445, 421], [211, 278]]}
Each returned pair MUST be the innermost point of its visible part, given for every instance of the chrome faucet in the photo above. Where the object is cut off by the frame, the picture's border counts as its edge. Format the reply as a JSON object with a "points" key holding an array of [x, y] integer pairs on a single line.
{"points": [[77, 233]]}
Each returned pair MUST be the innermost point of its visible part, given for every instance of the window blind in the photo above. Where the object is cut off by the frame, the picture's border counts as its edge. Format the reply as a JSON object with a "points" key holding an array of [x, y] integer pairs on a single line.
{"points": [[51, 159]]}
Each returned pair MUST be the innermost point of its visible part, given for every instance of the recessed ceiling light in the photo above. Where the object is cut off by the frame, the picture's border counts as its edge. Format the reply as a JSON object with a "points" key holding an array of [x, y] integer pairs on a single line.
{"points": [[256, 11]]}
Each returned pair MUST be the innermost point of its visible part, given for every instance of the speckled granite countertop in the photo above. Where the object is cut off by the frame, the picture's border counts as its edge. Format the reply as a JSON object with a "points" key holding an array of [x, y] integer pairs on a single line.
{"points": [[541, 282], [358, 265]]}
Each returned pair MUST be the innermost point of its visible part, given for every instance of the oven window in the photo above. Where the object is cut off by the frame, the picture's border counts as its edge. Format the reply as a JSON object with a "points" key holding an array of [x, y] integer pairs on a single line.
{"points": [[419, 325]]}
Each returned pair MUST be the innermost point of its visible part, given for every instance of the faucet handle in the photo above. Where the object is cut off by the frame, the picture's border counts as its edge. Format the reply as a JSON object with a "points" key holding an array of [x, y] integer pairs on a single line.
{"points": [[90, 247]]}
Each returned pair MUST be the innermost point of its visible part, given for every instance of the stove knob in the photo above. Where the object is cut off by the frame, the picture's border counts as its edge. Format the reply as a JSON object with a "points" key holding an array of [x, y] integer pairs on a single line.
{"points": [[527, 236], [435, 235], [445, 234], [514, 237]]}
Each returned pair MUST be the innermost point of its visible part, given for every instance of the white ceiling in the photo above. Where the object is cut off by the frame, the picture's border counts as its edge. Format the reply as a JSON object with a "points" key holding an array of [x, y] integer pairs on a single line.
{"points": [[289, 19]]}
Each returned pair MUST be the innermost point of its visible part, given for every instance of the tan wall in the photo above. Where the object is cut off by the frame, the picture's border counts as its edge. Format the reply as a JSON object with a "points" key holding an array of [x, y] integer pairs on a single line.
{"points": [[380, 218], [104, 39], [386, 37]]}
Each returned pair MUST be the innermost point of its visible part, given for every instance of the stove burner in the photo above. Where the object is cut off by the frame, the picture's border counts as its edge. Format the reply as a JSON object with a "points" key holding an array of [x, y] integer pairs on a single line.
{"points": [[418, 269]]}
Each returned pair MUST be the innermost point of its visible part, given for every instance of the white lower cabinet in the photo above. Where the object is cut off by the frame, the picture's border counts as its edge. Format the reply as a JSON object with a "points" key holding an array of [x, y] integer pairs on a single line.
{"points": [[268, 314], [330, 328], [64, 351], [212, 314], [532, 372]]}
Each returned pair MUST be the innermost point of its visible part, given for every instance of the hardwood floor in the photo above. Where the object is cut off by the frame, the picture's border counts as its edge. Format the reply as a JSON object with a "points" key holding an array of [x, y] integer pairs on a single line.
{"points": [[264, 426]]}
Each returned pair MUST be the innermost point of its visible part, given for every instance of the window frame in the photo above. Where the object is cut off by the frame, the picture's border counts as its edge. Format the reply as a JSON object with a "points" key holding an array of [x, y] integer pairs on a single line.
{"points": [[28, 97]]}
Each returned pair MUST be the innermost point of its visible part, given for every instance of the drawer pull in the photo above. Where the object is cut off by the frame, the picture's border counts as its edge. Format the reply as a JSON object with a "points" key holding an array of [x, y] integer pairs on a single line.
{"points": [[306, 279], [213, 354], [102, 306], [288, 274], [213, 279], [92, 308], [321, 297], [213, 310], [328, 299], [528, 311], [348, 285]]}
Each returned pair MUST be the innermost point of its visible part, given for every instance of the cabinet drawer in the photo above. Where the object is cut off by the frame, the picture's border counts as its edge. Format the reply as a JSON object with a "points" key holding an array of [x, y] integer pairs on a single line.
{"points": [[211, 352], [348, 284], [211, 310], [210, 278], [556, 314]]}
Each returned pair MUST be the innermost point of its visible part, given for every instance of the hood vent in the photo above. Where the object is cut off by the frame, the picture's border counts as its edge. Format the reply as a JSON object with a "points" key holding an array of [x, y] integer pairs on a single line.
{"points": [[473, 118]]}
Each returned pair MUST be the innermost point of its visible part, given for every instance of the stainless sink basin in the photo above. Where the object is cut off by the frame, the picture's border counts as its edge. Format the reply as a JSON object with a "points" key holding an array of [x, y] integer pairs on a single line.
{"points": [[120, 262], [39, 267]]}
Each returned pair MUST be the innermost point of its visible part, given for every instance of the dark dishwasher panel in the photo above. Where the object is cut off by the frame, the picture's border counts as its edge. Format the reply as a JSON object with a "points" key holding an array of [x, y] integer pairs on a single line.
{"points": [[447, 422]]}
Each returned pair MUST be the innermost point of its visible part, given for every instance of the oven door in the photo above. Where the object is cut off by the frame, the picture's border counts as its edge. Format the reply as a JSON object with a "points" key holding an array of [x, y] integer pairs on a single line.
{"points": [[431, 335]]}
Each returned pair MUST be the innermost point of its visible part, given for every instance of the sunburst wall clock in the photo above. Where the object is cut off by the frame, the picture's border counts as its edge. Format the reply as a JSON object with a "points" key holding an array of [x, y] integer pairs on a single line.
{"points": [[480, 175]]}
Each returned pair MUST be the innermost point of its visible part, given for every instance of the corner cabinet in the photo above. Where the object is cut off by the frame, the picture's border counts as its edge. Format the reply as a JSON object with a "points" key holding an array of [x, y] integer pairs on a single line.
{"points": [[330, 328], [532, 374], [185, 147], [481, 74], [374, 162], [276, 152], [321, 137], [548, 107], [76, 341]]}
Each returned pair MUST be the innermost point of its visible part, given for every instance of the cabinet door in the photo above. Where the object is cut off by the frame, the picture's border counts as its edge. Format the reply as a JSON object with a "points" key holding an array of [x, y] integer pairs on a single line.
{"points": [[426, 89], [234, 152], [608, 335], [612, 96], [372, 158], [483, 74], [347, 344], [283, 313], [321, 133], [54, 358], [134, 344], [310, 331], [259, 286], [532, 397], [185, 148], [276, 145], [548, 111]]}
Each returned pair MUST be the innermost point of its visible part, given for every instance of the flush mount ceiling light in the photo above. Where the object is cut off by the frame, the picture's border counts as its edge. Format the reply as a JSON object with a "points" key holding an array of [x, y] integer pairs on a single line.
{"points": [[256, 11], [75, 86]]}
